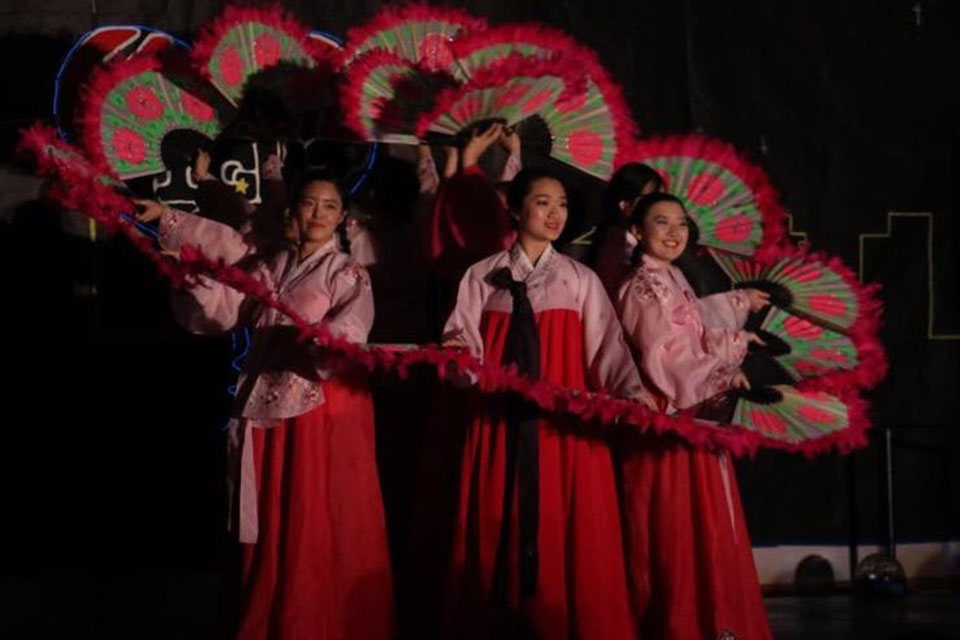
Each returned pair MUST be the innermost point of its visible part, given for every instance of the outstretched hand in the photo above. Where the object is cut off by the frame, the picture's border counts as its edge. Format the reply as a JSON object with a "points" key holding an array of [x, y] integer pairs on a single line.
{"points": [[510, 140], [479, 142], [740, 381], [201, 166], [757, 299], [649, 400], [151, 210]]}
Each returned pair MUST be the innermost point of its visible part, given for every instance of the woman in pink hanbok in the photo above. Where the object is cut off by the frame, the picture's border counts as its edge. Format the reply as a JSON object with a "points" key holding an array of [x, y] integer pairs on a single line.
{"points": [[305, 497], [688, 551], [537, 544]]}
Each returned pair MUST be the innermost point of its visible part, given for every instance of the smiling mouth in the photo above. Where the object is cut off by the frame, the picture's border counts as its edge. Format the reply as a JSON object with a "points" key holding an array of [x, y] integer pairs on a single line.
{"points": [[671, 244]]}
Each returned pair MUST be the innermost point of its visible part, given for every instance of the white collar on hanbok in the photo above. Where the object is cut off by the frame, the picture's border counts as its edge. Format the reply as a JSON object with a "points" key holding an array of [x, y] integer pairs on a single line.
{"points": [[296, 266], [520, 262]]}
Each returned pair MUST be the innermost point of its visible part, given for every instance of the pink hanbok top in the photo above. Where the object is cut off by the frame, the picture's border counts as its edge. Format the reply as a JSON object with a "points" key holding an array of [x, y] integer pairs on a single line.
{"points": [[555, 283], [689, 348], [281, 376]]}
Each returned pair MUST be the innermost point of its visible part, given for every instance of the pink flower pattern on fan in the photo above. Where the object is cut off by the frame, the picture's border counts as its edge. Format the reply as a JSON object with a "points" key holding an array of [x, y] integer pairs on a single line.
{"points": [[266, 51], [196, 108], [536, 101], [734, 228], [572, 102], [768, 422], [829, 355], [800, 328], [808, 368], [231, 65], [816, 414], [828, 304], [705, 189], [143, 102], [513, 93], [435, 52], [129, 146], [802, 272], [464, 110], [585, 147]]}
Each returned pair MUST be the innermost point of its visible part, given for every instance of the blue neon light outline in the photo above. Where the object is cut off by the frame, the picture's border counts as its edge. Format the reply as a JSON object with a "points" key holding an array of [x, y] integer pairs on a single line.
{"points": [[145, 228], [73, 49], [326, 34]]}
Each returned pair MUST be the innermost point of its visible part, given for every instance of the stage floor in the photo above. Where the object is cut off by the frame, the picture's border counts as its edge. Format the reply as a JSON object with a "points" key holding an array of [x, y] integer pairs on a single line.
{"points": [[184, 606]]}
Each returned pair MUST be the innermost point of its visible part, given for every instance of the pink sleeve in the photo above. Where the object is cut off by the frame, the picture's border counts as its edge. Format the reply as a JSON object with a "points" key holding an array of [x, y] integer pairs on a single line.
{"points": [[362, 248], [609, 363], [211, 307], [671, 353], [351, 303], [729, 346], [728, 310], [217, 241], [463, 326], [511, 168]]}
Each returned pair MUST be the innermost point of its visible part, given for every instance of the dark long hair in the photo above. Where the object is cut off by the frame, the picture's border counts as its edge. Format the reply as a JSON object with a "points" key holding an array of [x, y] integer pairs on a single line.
{"points": [[628, 183]]}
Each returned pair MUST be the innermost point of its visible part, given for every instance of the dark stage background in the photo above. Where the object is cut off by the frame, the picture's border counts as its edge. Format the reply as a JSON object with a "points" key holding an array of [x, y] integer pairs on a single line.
{"points": [[112, 452]]}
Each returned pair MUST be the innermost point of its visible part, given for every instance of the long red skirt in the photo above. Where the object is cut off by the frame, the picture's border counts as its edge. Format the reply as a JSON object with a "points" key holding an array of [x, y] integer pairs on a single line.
{"points": [[581, 589], [320, 568], [688, 552]]}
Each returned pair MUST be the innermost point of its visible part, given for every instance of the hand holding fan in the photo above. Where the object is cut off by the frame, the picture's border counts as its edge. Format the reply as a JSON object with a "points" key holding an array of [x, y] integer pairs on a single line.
{"points": [[592, 130], [819, 290], [508, 91], [132, 105]]}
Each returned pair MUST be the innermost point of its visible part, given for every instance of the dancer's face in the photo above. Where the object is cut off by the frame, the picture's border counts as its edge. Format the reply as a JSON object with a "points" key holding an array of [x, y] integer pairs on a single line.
{"points": [[665, 231], [544, 210], [319, 212]]}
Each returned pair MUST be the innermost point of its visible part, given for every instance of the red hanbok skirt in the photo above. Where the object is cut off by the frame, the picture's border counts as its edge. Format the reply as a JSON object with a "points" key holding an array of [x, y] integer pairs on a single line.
{"points": [[320, 569], [581, 589], [688, 552]]}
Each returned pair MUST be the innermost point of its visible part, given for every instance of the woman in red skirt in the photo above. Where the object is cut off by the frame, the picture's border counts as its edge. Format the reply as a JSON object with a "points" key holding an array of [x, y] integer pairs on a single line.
{"points": [[305, 496], [688, 552], [537, 546]]}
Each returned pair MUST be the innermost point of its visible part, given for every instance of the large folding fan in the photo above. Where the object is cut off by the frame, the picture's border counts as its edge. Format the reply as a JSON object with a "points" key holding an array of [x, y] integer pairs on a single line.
{"points": [[729, 198], [383, 96], [816, 289], [507, 91], [132, 105], [253, 43], [592, 130], [418, 33], [793, 416]]}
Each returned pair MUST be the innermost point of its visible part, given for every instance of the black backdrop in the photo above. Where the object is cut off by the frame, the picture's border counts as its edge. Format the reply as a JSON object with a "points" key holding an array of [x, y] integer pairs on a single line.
{"points": [[111, 448]]}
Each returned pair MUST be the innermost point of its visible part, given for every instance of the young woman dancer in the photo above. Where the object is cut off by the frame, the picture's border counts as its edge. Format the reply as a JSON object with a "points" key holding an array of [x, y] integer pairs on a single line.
{"points": [[305, 495], [688, 552], [536, 546]]}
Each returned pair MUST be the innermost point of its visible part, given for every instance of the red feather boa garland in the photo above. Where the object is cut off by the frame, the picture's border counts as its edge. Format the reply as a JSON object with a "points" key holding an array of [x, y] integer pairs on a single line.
{"points": [[77, 190]]}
